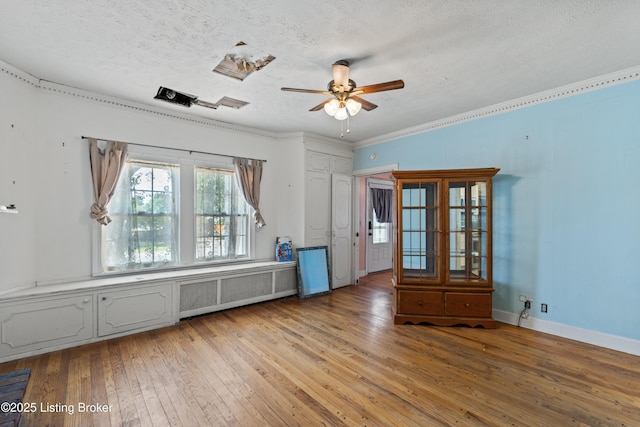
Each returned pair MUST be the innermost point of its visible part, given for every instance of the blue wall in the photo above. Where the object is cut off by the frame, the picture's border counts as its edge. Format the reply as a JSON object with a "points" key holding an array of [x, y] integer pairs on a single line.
{"points": [[566, 202]]}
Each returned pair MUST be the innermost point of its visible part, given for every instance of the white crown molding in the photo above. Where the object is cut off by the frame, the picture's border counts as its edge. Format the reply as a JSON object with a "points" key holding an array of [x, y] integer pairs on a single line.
{"points": [[584, 86], [614, 342], [118, 102], [327, 145], [291, 136], [61, 89], [12, 71], [318, 143], [376, 170]]}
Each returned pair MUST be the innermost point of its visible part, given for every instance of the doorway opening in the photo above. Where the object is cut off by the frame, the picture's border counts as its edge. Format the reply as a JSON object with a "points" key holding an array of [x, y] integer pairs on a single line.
{"points": [[374, 236]]}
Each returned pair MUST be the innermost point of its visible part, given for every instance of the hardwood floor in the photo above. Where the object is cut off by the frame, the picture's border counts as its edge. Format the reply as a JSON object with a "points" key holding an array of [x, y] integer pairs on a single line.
{"points": [[332, 360]]}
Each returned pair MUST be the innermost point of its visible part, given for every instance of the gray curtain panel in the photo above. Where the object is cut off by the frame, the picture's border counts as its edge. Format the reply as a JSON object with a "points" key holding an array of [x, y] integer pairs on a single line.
{"points": [[249, 175], [382, 203], [106, 166]]}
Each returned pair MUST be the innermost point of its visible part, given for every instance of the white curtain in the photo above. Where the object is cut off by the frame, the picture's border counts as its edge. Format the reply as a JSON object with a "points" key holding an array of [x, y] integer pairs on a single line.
{"points": [[249, 175], [134, 240], [106, 166]]}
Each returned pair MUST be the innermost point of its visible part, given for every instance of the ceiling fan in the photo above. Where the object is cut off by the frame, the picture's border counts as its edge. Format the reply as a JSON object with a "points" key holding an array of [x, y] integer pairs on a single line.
{"points": [[346, 100]]}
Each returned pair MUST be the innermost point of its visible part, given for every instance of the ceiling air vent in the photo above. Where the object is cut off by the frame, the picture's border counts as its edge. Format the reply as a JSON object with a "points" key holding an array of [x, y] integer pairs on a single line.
{"points": [[231, 102], [175, 97]]}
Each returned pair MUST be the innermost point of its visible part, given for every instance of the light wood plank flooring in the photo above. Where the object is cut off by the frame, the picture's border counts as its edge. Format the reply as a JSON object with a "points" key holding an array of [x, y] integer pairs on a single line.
{"points": [[333, 360]]}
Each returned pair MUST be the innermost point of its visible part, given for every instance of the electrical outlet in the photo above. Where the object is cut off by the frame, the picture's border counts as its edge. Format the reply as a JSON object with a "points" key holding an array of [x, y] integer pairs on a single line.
{"points": [[543, 308]]}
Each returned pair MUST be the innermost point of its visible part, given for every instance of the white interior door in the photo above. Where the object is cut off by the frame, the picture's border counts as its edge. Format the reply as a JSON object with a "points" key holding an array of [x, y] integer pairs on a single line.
{"points": [[341, 236], [317, 210], [379, 239]]}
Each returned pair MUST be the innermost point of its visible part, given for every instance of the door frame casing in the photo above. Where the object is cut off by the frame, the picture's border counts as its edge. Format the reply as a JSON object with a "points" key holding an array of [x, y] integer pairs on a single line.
{"points": [[357, 208], [375, 183]]}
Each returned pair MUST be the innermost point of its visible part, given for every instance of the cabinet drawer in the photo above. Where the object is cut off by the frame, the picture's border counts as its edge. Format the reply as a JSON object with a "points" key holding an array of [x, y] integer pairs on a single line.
{"points": [[467, 304], [420, 302]]}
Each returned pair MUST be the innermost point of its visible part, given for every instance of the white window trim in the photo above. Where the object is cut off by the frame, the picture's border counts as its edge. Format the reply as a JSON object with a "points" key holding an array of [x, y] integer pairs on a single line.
{"points": [[186, 217]]}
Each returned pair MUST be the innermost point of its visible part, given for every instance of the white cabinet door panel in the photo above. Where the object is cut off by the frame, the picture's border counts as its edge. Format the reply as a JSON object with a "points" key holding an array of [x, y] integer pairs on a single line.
{"points": [[45, 323], [341, 165], [125, 310], [319, 162]]}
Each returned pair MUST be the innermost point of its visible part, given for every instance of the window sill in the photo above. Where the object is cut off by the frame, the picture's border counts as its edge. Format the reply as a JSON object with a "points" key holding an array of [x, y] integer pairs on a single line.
{"points": [[97, 274], [145, 277]]}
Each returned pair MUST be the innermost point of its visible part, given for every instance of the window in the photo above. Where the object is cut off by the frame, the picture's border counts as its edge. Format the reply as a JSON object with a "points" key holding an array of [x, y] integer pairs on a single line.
{"points": [[151, 229], [380, 231], [222, 216], [144, 213]]}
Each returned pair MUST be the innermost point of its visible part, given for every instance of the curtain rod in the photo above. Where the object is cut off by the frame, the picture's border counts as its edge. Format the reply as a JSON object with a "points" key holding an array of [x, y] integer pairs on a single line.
{"points": [[170, 148]]}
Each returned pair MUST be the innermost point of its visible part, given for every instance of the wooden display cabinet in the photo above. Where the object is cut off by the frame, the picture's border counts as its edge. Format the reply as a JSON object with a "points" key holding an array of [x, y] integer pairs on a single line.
{"points": [[443, 259]]}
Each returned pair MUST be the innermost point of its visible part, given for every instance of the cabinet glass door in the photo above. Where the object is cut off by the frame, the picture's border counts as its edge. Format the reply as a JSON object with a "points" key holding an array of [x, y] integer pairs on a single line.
{"points": [[420, 234], [468, 231]]}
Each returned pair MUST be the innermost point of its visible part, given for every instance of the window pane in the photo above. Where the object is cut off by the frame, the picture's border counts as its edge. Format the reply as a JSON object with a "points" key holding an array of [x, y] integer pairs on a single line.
{"points": [[457, 268], [478, 191], [380, 231], [457, 219], [479, 244], [143, 231], [457, 193], [457, 243], [222, 216], [419, 194], [479, 219], [478, 268]]}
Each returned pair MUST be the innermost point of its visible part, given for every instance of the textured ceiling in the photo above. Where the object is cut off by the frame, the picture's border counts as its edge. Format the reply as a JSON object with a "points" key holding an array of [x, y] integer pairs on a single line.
{"points": [[454, 56]]}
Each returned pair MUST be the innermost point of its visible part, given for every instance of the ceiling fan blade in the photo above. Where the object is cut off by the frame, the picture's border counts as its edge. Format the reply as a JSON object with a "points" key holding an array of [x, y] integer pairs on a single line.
{"points": [[320, 106], [291, 89], [366, 105], [340, 72], [379, 87]]}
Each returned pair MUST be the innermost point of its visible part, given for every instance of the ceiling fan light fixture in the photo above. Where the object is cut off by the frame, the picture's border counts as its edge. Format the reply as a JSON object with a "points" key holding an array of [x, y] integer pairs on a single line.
{"points": [[341, 114], [331, 107], [353, 106]]}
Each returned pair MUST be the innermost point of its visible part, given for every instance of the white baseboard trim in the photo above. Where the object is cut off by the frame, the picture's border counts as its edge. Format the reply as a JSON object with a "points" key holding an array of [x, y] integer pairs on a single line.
{"points": [[614, 342]]}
